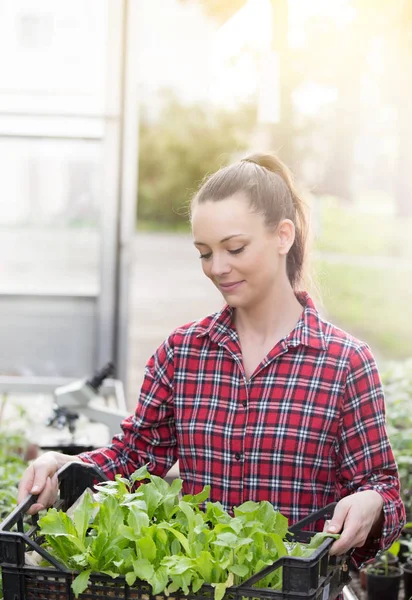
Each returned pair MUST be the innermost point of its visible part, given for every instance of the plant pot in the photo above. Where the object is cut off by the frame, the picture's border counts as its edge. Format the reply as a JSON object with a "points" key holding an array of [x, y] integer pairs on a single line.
{"points": [[391, 559], [405, 537], [407, 579], [382, 582], [363, 571], [362, 578]]}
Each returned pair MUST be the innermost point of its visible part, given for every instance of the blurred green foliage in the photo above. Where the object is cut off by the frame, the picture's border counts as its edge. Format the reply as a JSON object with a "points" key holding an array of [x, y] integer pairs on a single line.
{"points": [[12, 465], [370, 302], [363, 271], [367, 227], [178, 148], [397, 383]]}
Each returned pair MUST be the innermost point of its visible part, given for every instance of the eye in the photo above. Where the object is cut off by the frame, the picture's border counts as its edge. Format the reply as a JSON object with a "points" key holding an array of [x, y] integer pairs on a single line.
{"points": [[205, 256], [237, 251]]}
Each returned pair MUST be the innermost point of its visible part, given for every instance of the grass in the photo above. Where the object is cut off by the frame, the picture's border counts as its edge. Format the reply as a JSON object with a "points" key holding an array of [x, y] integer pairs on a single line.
{"points": [[154, 226], [371, 303], [359, 229]]}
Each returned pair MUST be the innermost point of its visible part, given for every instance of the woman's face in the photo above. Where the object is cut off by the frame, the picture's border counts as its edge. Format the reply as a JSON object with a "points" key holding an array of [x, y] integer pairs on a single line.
{"points": [[239, 253]]}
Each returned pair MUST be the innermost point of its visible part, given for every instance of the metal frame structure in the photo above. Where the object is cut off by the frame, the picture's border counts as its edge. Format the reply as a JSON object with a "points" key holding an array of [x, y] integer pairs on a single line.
{"points": [[102, 314]]}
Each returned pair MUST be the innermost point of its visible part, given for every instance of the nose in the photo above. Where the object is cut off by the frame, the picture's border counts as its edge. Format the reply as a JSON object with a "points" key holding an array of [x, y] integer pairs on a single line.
{"points": [[219, 265]]}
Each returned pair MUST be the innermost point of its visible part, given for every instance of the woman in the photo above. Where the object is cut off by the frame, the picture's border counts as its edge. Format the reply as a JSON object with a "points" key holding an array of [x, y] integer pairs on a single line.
{"points": [[263, 400]]}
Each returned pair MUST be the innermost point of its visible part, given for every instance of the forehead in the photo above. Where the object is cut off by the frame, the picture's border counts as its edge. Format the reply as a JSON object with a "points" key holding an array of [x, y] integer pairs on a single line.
{"points": [[222, 218]]}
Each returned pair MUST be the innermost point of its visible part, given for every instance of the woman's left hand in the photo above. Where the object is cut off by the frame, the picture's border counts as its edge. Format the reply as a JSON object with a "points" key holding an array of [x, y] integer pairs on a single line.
{"points": [[355, 518]]}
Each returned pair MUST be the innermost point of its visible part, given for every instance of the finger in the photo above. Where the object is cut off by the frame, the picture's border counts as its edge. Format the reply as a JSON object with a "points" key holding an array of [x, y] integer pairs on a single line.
{"points": [[326, 525], [55, 482], [41, 475], [48, 495], [342, 545], [45, 499], [351, 537], [338, 518], [25, 484], [35, 508]]}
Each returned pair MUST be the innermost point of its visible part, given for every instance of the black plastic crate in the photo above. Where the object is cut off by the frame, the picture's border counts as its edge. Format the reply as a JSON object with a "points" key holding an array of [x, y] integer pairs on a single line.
{"points": [[319, 577]]}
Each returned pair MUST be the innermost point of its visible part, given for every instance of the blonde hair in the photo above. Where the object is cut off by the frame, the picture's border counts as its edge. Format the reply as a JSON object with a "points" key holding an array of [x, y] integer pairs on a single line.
{"points": [[269, 186]]}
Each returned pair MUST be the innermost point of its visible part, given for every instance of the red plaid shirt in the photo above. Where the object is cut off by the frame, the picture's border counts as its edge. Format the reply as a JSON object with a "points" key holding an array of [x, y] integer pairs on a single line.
{"points": [[305, 430]]}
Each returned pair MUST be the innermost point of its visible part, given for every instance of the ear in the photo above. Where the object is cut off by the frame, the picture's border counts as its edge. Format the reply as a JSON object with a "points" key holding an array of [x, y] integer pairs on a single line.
{"points": [[286, 236]]}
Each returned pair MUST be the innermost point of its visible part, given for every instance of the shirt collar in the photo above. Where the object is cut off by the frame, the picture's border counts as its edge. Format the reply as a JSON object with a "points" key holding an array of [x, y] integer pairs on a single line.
{"points": [[308, 330]]}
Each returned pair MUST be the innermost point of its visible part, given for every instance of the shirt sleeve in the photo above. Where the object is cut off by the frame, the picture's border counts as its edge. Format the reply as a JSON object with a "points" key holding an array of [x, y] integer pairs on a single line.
{"points": [[148, 437], [365, 458]]}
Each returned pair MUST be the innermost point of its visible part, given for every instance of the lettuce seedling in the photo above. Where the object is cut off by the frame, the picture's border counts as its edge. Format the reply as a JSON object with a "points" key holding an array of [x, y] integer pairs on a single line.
{"points": [[171, 542]]}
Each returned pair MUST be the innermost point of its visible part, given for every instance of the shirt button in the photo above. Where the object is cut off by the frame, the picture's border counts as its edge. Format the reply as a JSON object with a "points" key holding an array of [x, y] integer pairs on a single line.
{"points": [[237, 456], [244, 403]]}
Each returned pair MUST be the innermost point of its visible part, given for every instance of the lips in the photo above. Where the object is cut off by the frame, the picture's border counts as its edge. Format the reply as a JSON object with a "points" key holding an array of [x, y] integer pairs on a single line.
{"points": [[230, 287]]}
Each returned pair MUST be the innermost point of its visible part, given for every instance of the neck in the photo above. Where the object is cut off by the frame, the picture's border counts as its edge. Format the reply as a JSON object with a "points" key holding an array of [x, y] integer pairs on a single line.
{"points": [[276, 315]]}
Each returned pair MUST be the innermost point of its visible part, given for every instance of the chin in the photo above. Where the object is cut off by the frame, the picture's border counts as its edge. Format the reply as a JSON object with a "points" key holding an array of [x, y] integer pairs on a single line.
{"points": [[236, 302]]}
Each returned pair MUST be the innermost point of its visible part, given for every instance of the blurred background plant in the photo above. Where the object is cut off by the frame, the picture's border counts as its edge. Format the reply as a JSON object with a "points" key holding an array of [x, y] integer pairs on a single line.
{"points": [[178, 148], [12, 465], [397, 382], [13, 452]]}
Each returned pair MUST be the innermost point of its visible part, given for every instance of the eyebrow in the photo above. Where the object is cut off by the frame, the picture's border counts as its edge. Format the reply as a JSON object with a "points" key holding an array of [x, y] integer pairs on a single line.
{"points": [[225, 239]]}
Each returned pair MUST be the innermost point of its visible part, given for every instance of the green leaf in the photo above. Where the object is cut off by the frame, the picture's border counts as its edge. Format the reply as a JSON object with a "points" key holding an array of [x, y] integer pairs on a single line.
{"points": [[83, 515], [241, 570], [159, 580], [189, 513], [247, 507], [80, 583], [130, 578], [197, 583], [81, 560], [281, 525], [220, 588], [197, 498], [127, 532], [137, 519], [100, 545], [140, 474], [215, 513], [204, 564], [143, 569], [133, 501], [181, 538], [152, 497], [178, 564], [57, 523], [147, 548], [320, 537]]}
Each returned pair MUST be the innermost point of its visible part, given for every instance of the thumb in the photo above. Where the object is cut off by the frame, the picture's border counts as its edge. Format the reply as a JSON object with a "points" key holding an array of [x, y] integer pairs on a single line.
{"points": [[335, 525]]}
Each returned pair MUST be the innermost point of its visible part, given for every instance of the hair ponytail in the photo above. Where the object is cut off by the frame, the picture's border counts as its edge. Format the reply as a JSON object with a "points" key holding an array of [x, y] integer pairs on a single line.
{"points": [[269, 185], [296, 259]]}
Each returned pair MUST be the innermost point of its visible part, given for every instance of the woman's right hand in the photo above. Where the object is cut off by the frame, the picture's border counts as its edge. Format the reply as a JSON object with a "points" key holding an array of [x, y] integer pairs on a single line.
{"points": [[41, 478]]}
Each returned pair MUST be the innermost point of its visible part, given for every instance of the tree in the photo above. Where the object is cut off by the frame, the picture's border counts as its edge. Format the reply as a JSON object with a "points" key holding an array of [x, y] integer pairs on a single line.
{"points": [[179, 147], [277, 137]]}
